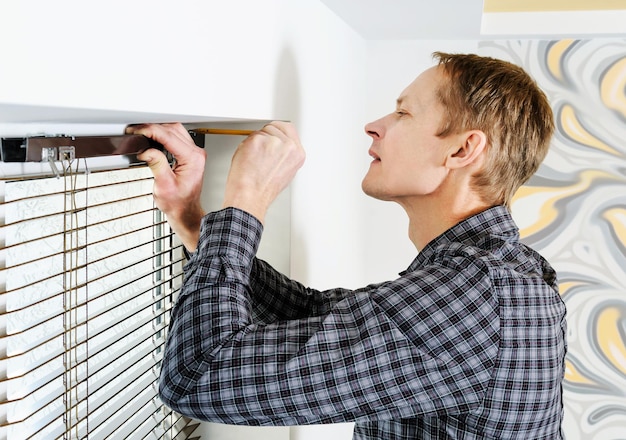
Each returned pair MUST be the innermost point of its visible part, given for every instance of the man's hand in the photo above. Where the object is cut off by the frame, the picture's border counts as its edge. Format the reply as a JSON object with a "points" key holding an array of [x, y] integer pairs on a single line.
{"points": [[177, 189], [263, 165]]}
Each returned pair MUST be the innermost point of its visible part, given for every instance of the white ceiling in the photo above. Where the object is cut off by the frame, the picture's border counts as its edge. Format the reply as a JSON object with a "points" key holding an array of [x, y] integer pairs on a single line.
{"points": [[452, 20], [411, 19]]}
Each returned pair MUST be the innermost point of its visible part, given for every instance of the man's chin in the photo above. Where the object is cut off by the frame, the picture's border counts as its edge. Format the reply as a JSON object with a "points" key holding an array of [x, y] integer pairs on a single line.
{"points": [[375, 193]]}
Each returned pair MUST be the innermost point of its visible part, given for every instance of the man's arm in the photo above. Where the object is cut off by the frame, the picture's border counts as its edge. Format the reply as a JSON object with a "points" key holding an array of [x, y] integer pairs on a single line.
{"points": [[390, 351], [277, 297]]}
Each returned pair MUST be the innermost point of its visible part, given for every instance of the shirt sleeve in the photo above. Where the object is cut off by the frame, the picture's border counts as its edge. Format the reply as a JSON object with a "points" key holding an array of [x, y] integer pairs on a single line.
{"points": [[424, 344], [276, 297]]}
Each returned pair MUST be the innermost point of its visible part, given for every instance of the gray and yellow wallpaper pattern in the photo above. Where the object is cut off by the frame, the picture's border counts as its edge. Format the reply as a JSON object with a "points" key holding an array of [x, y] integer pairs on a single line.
{"points": [[573, 211]]}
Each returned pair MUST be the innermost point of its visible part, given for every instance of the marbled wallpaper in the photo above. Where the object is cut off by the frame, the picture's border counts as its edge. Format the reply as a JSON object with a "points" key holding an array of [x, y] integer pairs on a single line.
{"points": [[573, 211]]}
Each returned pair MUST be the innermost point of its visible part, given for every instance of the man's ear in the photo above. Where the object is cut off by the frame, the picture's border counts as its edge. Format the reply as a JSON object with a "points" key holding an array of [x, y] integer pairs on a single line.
{"points": [[470, 148]]}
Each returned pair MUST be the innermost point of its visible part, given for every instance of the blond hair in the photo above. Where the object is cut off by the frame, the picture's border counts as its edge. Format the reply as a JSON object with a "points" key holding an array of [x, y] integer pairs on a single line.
{"points": [[502, 100]]}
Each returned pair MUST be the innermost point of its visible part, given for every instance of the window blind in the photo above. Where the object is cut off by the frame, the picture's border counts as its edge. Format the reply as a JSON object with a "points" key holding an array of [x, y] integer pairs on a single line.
{"points": [[89, 271]]}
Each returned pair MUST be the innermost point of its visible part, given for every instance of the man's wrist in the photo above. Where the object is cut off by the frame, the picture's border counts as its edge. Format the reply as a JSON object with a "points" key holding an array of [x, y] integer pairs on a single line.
{"points": [[186, 225], [253, 206]]}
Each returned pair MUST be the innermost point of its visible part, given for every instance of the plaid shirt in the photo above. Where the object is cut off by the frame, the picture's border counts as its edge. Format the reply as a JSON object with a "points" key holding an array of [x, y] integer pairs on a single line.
{"points": [[468, 343]]}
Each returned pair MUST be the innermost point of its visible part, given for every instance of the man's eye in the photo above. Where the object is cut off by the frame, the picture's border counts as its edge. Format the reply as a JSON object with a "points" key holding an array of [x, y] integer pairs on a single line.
{"points": [[400, 113]]}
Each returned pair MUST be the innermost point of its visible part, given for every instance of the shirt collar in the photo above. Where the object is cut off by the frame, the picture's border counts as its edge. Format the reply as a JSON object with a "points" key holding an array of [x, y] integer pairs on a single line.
{"points": [[493, 222]]}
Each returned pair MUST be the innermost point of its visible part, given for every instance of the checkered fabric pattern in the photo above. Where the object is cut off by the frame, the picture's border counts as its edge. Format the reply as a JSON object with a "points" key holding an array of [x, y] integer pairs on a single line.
{"points": [[468, 342]]}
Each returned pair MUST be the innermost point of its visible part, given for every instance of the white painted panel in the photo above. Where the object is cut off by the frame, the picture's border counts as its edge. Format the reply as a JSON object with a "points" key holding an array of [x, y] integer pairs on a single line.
{"points": [[190, 56], [556, 23]]}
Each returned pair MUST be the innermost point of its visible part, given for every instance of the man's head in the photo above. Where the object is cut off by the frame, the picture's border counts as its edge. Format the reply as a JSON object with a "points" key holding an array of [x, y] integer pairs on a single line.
{"points": [[501, 100], [471, 116]]}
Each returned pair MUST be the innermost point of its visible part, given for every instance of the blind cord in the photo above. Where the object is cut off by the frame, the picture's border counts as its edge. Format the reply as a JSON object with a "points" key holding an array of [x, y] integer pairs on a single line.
{"points": [[74, 331]]}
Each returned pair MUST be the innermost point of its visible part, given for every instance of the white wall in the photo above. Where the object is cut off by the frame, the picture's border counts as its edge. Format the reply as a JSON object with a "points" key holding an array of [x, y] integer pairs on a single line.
{"points": [[393, 65], [247, 59], [238, 58], [378, 246], [318, 84], [188, 56], [326, 221]]}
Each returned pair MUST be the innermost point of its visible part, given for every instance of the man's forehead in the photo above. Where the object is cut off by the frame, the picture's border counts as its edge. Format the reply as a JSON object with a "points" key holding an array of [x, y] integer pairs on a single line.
{"points": [[422, 87]]}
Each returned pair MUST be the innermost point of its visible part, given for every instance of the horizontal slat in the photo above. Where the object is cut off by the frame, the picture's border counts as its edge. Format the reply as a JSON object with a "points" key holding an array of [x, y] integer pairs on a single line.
{"points": [[155, 329], [110, 323], [62, 193], [110, 290], [129, 173], [115, 403], [73, 249], [71, 211], [149, 320], [148, 424], [114, 399], [129, 375], [160, 426], [55, 374], [182, 428], [111, 420], [102, 379], [141, 423], [64, 232], [40, 413], [122, 317], [132, 350], [66, 205], [133, 362], [132, 353], [45, 372], [96, 261]]}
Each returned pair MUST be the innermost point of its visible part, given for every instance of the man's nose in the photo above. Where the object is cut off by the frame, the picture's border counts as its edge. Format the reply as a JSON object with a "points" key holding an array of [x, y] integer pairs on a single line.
{"points": [[374, 129]]}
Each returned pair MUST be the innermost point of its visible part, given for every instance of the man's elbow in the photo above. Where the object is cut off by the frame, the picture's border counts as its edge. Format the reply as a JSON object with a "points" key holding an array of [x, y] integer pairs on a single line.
{"points": [[177, 401]]}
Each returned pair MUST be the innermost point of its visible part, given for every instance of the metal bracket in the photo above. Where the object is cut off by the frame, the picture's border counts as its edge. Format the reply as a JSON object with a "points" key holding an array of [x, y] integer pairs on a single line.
{"points": [[67, 153], [49, 154]]}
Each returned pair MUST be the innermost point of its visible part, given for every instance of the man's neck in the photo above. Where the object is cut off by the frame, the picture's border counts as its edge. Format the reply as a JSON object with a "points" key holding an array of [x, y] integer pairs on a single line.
{"points": [[431, 217]]}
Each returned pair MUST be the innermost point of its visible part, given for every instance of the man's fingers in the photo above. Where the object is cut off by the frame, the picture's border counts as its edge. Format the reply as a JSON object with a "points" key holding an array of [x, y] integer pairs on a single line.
{"points": [[174, 137], [157, 161], [280, 129]]}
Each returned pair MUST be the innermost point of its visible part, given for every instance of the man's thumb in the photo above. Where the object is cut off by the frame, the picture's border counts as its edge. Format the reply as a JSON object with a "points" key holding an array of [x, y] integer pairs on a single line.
{"points": [[156, 161]]}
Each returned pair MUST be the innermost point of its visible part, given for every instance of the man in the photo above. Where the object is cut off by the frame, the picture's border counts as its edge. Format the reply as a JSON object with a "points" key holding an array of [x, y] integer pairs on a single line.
{"points": [[469, 341]]}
